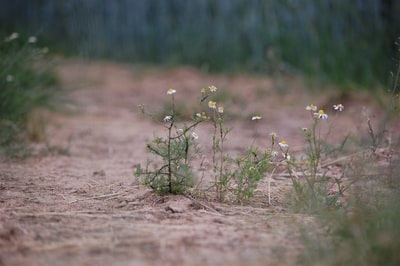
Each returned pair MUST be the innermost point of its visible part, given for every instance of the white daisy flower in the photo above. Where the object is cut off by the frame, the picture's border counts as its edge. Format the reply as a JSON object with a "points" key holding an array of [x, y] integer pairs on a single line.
{"points": [[212, 105], [311, 107], [321, 114], [195, 136], [338, 107], [168, 118], [171, 91], [212, 88], [283, 144]]}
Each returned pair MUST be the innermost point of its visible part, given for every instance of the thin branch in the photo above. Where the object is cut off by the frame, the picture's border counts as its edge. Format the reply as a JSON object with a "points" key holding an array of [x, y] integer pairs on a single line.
{"points": [[201, 204], [100, 197]]}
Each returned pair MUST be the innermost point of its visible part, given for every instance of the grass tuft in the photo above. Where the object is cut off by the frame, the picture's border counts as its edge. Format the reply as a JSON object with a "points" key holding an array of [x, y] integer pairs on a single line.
{"points": [[27, 84]]}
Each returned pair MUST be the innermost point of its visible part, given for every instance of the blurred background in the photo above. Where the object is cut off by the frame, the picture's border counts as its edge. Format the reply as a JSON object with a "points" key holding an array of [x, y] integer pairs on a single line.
{"points": [[343, 42]]}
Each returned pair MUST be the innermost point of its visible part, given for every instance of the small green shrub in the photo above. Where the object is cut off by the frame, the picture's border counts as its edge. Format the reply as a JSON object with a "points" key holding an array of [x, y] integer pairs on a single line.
{"points": [[250, 170], [176, 150], [172, 171]]}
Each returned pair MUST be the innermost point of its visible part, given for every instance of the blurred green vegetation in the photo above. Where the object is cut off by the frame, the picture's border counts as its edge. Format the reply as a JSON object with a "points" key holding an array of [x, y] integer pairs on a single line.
{"points": [[27, 83], [367, 232], [345, 42]]}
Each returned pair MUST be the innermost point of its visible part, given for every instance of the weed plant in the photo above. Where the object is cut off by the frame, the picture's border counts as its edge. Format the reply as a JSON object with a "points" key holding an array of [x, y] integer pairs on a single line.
{"points": [[176, 150], [235, 176], [27, 83], [219, 160], [317, 189], [366, 231], [250, 169]]}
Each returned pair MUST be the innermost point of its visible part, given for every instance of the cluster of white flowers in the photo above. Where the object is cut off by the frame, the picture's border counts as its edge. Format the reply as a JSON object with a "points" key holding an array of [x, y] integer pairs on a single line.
{"points": [[212, 104], [321, 114], [15, 35]]}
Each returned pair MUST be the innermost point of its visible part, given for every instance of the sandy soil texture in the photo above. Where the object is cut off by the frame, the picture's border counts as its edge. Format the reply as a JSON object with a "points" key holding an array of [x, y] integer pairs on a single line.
{"points": [[87, 208]]}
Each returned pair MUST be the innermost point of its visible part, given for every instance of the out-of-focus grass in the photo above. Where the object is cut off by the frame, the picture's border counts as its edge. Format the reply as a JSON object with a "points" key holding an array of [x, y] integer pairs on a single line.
{"points": [[27, 84], [365, 230], [367, 234]]}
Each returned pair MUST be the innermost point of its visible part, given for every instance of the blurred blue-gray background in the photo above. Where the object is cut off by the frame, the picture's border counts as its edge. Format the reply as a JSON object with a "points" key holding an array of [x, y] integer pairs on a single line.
{"points": [[342, 41]]}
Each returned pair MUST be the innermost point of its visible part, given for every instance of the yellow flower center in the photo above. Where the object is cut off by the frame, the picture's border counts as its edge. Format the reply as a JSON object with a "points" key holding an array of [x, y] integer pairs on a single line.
{"points": [[171, 91], [212, 104], [213, 88]]}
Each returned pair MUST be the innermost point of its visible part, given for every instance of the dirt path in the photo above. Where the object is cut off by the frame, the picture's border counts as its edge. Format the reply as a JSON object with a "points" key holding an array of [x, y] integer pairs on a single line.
{"points": [[88, 209]]}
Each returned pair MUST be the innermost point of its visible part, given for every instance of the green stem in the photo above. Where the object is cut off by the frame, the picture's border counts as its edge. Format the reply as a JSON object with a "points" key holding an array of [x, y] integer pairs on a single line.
{"points": [[186, 130], [221, 166], [315, 149], [255, 135], [169, 146], [169, 158], [215, 147]]}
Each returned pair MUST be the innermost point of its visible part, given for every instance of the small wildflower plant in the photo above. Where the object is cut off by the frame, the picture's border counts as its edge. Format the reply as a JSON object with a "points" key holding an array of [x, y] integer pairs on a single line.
{"points": [[219, 160], [314, 192], [176, 151], [235, 178], [250, 169]]}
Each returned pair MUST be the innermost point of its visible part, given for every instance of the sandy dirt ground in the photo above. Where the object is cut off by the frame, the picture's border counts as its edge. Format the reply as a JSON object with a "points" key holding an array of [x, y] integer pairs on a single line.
{"points": [[87, 208]]}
